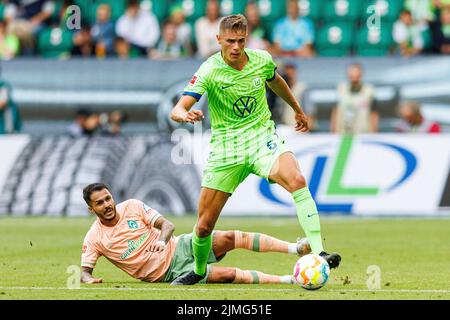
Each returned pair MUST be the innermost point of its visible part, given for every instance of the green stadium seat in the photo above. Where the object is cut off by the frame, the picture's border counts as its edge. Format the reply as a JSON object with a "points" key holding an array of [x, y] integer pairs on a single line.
{"points": [[2, 11], [159, 8], [86, 7], [311, 8], [335, 39], [389, 10], [193, 9], [228, 7], [271, 10], [342, 10], [427, 39], [55, 43], [374, 41]]}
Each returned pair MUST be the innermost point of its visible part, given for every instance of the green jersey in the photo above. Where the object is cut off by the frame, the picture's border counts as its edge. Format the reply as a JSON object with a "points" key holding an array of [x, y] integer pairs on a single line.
{"points": [[236, 99]]}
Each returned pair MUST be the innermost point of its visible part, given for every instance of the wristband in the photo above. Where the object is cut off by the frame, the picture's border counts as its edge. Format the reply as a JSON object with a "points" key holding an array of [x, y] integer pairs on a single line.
{"points": [[161, 242]]}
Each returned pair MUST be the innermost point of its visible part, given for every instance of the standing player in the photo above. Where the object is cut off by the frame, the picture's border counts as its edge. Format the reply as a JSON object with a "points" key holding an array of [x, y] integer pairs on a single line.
{"points": [[243, 138], [139, 240]]}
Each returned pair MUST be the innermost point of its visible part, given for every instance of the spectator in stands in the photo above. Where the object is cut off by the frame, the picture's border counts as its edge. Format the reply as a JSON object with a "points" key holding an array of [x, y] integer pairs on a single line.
{"points": [[422, 11], [76, 128], [102, 32], [184, 29], [355, 111], [59, 19], [9, 11], [82, 42], [413, 120], [440, 31], [121, 48], [31, 17], [293, 35], [257, 37], [206, 29], [439, 4], [9, 43], [407, 35], [10, 121], [140, 28], [168, 47], [111, 124], [86, 123]]}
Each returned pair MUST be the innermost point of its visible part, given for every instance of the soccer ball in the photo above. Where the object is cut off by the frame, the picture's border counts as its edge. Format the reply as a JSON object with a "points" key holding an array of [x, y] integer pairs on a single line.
{"points": [[311, 272]]}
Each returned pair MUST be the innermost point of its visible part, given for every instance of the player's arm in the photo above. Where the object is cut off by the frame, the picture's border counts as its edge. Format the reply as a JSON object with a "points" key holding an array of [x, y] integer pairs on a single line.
{"points": [[167, 228], [86, 276], [281, 89], [182, 111]]}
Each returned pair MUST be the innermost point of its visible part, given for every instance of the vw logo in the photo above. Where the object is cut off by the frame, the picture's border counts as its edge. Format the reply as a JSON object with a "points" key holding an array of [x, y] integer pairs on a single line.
{"points": [[244, 106]]}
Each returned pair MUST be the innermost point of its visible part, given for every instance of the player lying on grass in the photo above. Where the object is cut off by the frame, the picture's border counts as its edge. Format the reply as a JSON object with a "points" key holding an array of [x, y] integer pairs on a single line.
{"points": [[139, 240]]}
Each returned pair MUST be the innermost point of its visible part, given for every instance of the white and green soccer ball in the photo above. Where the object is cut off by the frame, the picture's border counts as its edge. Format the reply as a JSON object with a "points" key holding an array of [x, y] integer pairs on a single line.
{"points": [[311, 272]]}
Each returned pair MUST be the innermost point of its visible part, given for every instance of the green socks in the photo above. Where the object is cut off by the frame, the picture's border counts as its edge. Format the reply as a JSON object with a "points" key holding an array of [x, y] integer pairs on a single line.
{"points": [[201, 248], [309, 218]]}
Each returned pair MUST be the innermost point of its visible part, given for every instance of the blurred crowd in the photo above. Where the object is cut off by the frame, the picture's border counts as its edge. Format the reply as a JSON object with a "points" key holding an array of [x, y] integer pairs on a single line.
{"points": [[39, 27], [355, 111], [90, 123]]}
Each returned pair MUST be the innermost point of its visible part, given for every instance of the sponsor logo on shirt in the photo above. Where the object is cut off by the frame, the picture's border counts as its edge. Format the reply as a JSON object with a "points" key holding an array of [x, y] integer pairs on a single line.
{"points": [[132, 224], [244, 106], [225, 87], [193, 80], [133, 245]]}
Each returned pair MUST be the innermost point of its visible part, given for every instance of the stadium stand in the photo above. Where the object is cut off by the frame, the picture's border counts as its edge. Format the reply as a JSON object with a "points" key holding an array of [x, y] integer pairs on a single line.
{"points": [[55, 43], [342, 10], [312, 9], [159, 8], [388, 10], [335, 39], [228, 7], [374, 42], [359, 15]]}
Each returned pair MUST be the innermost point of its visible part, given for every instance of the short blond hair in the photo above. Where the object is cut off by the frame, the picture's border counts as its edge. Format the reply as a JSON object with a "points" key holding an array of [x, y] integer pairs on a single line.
{"points": [[234, 23]]}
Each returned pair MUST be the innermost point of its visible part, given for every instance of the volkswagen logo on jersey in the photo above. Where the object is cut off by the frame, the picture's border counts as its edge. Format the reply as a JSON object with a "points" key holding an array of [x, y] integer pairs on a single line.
{"points": [[244, 106]]}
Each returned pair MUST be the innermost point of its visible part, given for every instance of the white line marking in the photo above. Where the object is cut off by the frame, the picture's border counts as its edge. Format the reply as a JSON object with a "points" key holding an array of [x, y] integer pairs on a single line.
{"points": [[228, 289]]}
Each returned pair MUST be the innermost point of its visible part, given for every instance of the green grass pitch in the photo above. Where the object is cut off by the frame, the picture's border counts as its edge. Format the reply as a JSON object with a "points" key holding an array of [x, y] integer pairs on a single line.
{"points": [[412, 255]]}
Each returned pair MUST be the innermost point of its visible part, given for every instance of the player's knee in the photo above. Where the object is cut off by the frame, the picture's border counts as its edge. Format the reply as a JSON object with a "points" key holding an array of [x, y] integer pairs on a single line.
{"points": [[297, 182], [204, 230], [229, 237]]}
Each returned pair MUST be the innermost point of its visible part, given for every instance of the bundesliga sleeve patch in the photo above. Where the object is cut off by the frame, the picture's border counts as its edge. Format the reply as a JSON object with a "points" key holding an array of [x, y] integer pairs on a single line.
{"points": [[193, 80], [146, 207]]}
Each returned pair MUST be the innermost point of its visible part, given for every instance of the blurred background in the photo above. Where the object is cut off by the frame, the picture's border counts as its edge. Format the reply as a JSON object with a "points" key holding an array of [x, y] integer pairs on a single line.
{"points": [[87, 85]]}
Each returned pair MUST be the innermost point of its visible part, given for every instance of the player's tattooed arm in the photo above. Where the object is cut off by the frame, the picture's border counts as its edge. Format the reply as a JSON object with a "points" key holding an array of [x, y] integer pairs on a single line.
{"points": [[182, 111], [281, 89], [167, 228], [86, 276]]}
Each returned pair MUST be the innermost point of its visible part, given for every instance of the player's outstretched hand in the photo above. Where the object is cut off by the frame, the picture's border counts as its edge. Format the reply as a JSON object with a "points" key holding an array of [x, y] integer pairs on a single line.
{"points": [[157, 247], [193, 116], [302, 124]]}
